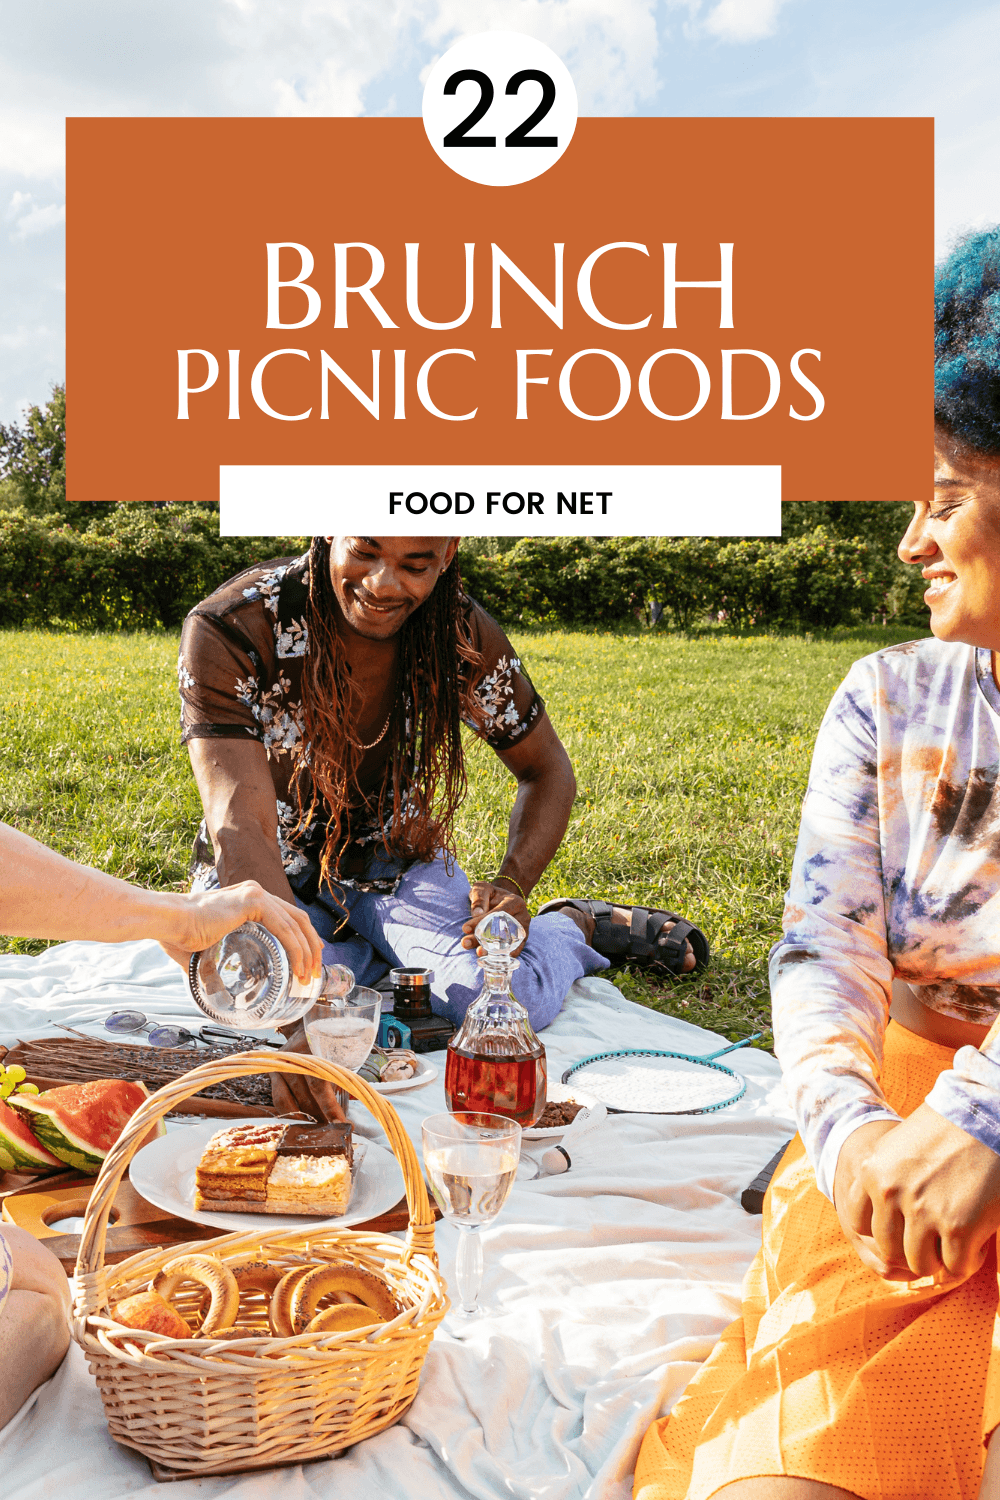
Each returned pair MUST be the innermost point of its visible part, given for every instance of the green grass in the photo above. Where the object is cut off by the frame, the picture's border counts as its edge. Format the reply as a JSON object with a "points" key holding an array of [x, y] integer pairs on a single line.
{"points": [[691, 755]]}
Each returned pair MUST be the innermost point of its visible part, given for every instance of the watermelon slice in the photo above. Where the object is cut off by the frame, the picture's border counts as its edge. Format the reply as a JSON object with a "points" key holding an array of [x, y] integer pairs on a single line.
{"points": [[80, 1122], [20, 1150]]}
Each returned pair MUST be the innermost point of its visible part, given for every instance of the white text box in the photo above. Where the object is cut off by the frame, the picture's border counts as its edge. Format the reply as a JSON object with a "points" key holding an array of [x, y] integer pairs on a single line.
{"points": [[488, 500]]}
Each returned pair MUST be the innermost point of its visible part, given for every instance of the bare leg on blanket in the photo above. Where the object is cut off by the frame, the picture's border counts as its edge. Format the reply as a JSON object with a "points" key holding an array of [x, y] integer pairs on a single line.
{"points": [[989, 1489], [784, 1489], [34, 1321], [809, 1489]]}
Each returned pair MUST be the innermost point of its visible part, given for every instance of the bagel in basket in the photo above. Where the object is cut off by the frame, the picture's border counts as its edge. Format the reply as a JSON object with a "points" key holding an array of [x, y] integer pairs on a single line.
{"points": [[211, 1273], [347, 1285]]}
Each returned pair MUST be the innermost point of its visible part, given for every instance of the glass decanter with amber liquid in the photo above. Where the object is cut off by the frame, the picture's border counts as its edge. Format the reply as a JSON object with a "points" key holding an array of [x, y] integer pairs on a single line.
{"points": [[496, 1064]]}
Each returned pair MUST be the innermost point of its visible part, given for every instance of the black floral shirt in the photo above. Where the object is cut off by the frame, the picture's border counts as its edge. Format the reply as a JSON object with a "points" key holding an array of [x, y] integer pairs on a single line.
{"points": [[240, 677]]}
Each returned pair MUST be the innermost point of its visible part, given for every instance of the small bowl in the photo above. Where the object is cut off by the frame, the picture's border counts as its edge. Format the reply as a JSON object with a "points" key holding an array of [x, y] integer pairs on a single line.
{"points": [[562, 1093]]}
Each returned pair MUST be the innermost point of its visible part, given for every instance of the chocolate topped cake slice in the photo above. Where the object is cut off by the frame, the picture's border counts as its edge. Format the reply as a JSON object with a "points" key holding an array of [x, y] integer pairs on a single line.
{"points": [[335, 1139], [277, 1168]]}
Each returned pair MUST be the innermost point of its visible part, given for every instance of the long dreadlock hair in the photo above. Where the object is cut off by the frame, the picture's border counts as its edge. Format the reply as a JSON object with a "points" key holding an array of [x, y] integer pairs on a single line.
{"points": [[425, 780]]}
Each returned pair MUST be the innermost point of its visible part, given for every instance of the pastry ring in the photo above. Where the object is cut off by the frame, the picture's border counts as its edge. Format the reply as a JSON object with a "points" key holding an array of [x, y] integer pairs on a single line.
{"points": [[343, 1317], [347, 1284], [251, 1276], [257, 1276], [279, 1308], [208, 1271]]}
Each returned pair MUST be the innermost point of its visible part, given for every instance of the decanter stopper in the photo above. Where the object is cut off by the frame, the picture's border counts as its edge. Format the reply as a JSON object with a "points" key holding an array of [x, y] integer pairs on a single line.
{"points": [[499, 933]]}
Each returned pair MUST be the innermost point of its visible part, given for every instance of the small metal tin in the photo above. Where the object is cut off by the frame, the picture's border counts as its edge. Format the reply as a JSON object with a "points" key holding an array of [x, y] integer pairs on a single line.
{"points": [[411, 989], [410, 978]]}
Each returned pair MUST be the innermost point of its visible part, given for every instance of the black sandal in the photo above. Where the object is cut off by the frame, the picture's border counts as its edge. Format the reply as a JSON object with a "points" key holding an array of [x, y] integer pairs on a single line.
{"points": [[638, 943]]}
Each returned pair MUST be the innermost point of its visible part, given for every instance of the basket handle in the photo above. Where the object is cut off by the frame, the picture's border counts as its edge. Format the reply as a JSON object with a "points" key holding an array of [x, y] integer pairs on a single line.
{"points": [[90, 1261]]}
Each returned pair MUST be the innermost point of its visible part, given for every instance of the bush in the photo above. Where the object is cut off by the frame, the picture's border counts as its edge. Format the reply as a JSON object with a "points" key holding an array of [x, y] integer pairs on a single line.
{"points": [[139, 566], [133, 567], [811, 580]]}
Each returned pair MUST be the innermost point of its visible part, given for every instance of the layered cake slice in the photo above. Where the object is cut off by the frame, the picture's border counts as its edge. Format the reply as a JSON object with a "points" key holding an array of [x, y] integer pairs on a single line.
{"points": [[276, 1169], [236, 1164]]}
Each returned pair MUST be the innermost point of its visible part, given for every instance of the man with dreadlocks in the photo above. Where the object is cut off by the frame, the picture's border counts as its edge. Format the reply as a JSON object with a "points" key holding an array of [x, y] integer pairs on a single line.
{"points": [[322, 705]]}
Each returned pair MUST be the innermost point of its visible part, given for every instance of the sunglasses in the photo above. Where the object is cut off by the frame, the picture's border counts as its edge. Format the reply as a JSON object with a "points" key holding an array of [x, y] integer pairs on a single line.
{"points": [[130, 1022]]}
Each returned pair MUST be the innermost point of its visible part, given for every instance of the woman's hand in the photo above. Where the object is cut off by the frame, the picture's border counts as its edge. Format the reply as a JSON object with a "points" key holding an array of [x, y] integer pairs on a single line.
{"points": [[485, 897], [918, 1198], [206, 916]]}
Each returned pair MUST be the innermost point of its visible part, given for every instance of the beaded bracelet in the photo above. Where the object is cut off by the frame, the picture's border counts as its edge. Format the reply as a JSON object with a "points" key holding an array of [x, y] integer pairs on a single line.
{"points": [[511, 881]]}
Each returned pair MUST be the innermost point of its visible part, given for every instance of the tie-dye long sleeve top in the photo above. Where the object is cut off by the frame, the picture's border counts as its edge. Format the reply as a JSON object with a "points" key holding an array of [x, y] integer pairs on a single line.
{"points": [[896, 875]]}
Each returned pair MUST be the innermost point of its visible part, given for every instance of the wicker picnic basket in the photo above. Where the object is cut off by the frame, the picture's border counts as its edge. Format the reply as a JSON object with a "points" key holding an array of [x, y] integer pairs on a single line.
{"points": [[203, 1406]]}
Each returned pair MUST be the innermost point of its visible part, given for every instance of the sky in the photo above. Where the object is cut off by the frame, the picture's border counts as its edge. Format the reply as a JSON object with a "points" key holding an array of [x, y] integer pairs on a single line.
{"points": [[369, 57]]}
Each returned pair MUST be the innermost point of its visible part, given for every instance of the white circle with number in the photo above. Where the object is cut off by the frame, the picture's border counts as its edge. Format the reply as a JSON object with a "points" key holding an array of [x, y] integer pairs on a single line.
{"points": [[499, 108]]}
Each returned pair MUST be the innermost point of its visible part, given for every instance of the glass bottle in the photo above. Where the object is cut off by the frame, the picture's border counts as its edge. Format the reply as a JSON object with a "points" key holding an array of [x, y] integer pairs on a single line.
{"points": [[245, 981], [496, 1064]]}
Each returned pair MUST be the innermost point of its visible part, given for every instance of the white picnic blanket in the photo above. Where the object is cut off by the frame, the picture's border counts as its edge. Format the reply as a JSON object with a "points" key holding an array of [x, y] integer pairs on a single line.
{"points": [[613, 1281]]}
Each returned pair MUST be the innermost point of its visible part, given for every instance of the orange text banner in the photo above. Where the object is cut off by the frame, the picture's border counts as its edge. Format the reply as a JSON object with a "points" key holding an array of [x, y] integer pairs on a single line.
{"points": [[326, 292]]}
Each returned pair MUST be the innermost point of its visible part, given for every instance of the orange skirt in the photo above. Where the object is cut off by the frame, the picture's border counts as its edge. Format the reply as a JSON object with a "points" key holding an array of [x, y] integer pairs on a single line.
{"points": [[832, 1374]]}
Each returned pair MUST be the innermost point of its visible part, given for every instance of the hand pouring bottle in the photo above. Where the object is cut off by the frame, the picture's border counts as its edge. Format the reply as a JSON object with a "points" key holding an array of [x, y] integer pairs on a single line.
{"points": [[496, 1064], [246, 982]]}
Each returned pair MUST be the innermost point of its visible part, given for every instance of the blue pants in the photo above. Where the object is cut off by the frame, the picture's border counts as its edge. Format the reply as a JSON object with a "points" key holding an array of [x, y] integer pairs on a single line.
{"points": [[420, 926]]}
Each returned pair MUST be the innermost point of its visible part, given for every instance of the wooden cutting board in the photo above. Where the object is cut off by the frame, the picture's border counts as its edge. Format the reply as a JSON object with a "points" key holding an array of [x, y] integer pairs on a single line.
{"points": [[53, 1062]]}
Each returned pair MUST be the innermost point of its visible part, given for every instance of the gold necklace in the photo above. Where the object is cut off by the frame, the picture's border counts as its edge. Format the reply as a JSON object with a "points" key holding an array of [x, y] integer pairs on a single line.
{"points": [[381, 736]]}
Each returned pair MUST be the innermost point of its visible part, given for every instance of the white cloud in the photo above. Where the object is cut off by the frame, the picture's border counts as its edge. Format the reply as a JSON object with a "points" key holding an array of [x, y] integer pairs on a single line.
{"points": [[309, 57], [321, 57], [17, 205], [29, 218], [31, 143], [299, 57], [730, 20], [743, 20], [610, 48]]}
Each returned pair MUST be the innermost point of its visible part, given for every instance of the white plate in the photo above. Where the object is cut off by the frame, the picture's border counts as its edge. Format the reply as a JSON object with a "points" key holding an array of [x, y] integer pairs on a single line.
{"points": [[560, 1093], [425, 1073], [163, 1172]]}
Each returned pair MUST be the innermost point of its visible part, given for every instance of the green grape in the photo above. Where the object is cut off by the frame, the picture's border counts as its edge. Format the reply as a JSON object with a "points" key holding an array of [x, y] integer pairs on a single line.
{"points": [[28, 1088], [9, 1080]]}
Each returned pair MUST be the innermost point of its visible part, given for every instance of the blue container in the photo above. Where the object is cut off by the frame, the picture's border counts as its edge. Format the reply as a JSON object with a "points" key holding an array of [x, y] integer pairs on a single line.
{"points": [[393, 1033]]}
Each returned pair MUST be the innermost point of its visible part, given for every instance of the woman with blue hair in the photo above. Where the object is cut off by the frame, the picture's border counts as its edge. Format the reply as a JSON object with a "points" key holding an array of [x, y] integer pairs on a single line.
{"points": [[866, 1360]]}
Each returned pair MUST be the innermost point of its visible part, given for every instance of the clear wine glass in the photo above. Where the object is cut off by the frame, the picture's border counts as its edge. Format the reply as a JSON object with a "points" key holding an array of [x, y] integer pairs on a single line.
{"points": [[343, 1028], [471, 1161]]}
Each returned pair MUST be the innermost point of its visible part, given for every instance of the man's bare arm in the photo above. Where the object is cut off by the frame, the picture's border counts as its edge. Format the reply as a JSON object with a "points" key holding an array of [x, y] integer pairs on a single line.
{"points": [[546, 787], [237, 793], [539, 818]]}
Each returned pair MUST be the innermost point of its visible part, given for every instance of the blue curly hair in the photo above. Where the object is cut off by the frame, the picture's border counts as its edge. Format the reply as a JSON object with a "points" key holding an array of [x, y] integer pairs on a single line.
{"points": [[967, 342]]}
